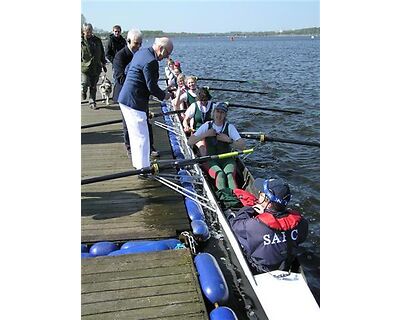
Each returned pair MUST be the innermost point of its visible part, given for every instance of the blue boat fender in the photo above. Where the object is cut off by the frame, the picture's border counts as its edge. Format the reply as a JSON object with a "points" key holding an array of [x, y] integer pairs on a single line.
{"points": [[184, 176], [211, 279], [189, 188], [135, 243], [148, 247], [171, 243], [102, 248], [85, 255], [223, 313], [84, 248], [195, 212], [200, 230]]}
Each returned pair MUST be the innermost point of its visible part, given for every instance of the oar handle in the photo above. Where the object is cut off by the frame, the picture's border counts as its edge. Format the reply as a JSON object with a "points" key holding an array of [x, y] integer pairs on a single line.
{"points": [[234, 153], [152, 169]]}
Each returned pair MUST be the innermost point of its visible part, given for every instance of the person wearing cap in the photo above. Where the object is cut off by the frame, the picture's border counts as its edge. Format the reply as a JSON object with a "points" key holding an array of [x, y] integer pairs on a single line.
{"points": [[141, 82], [269, 232], [219, 136]]}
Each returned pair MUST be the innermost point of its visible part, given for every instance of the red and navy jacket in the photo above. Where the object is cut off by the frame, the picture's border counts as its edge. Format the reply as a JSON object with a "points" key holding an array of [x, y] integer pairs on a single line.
{"points": [[269, 240]]}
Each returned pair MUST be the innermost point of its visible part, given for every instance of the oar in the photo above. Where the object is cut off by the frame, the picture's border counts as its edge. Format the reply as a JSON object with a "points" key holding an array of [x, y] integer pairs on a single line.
{"points": [[154, 115], [264, 138], [97, 100], [262, 108], [234, 90], [156, 167], [222, 80]]}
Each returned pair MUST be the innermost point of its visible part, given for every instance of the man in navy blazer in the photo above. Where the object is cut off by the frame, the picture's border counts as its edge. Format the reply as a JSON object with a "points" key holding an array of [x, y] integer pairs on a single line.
{"points": [[121, 60], [141, 82]]}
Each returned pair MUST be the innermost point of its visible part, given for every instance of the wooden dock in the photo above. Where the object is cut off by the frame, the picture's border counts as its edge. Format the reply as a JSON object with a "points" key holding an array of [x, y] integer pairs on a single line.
{"points": [[157, 285], [128, 208]]}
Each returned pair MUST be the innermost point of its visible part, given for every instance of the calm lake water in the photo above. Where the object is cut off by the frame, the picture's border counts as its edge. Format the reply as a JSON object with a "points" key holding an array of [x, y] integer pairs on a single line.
{"points": [[288, 68]]}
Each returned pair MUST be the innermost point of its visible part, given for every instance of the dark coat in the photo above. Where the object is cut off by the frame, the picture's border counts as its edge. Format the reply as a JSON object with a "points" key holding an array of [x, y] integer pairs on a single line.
{"points": [[92, 55], [121, 60], [114, 44], [141, 81], [267, 238]]}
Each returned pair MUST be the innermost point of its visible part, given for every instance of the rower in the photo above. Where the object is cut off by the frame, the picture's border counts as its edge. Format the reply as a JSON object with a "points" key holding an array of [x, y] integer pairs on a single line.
{"points": [[219, 136], [269, 232], [187, 97]]}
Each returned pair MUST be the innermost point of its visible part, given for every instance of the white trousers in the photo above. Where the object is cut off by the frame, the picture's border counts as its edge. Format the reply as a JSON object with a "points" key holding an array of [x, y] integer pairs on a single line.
{"points": [[138, 131]]}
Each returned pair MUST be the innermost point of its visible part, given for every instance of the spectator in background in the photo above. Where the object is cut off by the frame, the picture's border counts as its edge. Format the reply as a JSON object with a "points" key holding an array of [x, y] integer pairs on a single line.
{"points": [[121, 60], [115, 43], [92, 62]]}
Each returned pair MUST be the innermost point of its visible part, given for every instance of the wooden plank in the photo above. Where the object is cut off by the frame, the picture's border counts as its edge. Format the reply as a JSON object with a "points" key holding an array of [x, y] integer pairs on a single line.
{"points": [[183, 310], [135, 261], [112, 295], [140, 303], [152, 285]]}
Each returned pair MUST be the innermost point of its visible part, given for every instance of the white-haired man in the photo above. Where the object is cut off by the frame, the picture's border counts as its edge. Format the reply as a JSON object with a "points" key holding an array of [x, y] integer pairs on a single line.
{"points": [[120, 62], [141, 82]]}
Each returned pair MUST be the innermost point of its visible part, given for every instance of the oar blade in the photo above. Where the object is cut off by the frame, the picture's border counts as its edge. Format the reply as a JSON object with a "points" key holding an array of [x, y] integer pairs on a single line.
{"points": [[263, 137], [234, 105]]}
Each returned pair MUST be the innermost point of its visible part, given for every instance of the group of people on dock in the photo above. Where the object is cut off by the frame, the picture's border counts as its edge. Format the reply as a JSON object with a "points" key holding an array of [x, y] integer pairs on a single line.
{"points": [[267, 231]]}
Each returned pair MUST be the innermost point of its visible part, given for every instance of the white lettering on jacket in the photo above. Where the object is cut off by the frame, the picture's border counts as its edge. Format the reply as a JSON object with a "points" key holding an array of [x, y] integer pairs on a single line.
{"points": [[276, 239]]}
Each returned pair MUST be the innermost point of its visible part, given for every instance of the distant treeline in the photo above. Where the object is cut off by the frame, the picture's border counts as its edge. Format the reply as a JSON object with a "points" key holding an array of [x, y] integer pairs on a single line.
{"points": [[158, 33]]}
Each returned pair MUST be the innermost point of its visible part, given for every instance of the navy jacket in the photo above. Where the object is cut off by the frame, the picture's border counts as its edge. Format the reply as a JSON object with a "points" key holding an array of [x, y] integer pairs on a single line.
{"points": [[141, 81], [121, 60], [266, 239]]}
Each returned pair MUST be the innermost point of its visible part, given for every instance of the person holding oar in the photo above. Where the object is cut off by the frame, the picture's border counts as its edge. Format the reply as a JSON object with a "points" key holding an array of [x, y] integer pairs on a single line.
{"points": [[220, 137]]}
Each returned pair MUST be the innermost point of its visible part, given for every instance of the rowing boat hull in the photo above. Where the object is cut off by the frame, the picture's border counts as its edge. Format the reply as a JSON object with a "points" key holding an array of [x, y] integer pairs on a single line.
{"points": [[282, 296]]}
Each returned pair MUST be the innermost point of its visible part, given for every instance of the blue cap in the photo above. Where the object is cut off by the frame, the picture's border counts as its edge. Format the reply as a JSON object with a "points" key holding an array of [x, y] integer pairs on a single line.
{"points": [[221, 106], [275, 189]]}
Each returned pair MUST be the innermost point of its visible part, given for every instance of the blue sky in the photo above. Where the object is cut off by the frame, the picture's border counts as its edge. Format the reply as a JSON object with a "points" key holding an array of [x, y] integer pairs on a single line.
{"points": [[202, 16]]}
